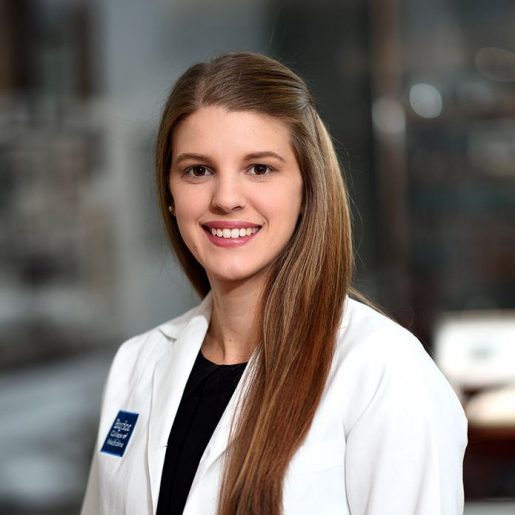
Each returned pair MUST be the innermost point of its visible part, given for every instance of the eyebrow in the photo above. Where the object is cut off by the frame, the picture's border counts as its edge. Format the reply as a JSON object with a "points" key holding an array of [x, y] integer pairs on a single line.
{"points": [[185, 156], [189, 155], [266, 153]]}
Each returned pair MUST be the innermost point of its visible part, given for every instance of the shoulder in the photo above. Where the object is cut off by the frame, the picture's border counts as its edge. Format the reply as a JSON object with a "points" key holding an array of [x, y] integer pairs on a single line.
{"points": [[365, 331], [400, 417], [385, 368]]}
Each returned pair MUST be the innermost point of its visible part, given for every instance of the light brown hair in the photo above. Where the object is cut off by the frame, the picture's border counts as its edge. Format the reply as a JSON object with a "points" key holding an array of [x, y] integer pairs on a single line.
{"points": [[302, 303]]}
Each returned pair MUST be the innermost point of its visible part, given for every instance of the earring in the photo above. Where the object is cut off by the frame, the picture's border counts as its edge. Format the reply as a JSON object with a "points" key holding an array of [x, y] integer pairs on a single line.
{"points": [[170, 208]]}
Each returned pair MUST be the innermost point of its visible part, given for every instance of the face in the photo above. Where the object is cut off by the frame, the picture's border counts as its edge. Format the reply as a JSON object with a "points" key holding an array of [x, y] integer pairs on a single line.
{"points": [[237, 191]]}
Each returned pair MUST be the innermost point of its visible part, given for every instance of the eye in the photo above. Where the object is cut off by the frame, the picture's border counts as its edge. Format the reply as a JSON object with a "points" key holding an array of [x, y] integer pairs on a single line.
{"points": [[198, 171], [260, 169]]}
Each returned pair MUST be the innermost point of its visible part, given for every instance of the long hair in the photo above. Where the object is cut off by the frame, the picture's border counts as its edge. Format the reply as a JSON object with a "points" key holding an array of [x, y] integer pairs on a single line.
{"points": [[302, 302]]}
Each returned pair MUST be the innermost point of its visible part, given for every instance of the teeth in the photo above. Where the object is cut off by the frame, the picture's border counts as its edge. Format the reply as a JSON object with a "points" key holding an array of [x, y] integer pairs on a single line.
{"points": [[233, 233]]}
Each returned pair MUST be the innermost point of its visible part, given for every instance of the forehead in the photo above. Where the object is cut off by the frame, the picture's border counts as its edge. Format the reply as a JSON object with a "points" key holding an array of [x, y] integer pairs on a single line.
{"points": [[216, 130]]}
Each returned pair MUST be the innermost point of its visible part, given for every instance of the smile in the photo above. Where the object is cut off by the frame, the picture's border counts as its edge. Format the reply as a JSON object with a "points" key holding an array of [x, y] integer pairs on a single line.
{"points": [[230, 234], [233, 233]]}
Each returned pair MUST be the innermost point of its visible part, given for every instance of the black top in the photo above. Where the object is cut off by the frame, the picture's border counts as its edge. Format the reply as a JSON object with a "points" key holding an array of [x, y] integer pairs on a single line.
{"points": [[206, 395]]}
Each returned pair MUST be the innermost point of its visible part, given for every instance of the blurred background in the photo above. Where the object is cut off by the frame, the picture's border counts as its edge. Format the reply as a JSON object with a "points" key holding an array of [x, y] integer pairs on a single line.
{"points": [[420, 99]]}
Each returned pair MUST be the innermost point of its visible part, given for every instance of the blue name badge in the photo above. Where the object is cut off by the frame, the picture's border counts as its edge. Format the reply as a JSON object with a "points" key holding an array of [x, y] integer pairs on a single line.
{"points": [[120, 433]]}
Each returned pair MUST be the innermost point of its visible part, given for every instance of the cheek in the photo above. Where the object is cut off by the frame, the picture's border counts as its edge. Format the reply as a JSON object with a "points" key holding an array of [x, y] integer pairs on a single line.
{"points": [[292, 204], [186, 216], [188, 234], [185, 203]]}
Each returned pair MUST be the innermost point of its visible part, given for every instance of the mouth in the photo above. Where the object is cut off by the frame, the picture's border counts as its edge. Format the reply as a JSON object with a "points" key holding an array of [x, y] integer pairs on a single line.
{"points": [[233, 233], [229, 234]]}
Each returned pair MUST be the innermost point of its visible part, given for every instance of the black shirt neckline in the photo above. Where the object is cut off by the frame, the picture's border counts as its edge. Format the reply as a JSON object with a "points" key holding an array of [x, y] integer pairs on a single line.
{"points": [[213, 364]]}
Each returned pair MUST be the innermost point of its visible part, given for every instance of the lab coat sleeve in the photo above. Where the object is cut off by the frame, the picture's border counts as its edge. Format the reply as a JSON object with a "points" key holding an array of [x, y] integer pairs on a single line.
{"points": [[96, 501], [407, 439], [93, 504], [91, 501]]}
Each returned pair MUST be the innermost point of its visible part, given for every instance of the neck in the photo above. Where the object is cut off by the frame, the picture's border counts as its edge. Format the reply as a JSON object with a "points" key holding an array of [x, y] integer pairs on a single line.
{"points": [[231, 335]]}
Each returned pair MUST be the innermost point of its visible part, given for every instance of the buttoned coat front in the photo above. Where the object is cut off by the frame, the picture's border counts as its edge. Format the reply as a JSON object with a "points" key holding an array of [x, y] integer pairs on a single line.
{"points": [[388, 436]]}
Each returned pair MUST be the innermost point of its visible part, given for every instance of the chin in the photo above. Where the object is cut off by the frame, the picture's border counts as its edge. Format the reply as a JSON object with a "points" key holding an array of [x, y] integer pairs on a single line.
{"points": [[236, 275]]}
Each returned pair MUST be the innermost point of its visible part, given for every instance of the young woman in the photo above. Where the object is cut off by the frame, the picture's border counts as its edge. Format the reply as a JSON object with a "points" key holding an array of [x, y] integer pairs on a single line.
{"points": [[279, 393]]}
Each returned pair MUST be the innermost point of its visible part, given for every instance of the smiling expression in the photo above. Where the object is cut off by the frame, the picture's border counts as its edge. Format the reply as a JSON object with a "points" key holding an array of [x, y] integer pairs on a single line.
{"points": [[237, 190]]}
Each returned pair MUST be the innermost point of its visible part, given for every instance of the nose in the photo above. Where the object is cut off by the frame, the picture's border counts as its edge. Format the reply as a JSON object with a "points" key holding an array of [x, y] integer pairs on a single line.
{"points": [[228, 195]]}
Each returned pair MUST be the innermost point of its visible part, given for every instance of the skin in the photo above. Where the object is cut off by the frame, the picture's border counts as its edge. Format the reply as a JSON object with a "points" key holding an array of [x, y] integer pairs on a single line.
{"points": [[243, 171]]}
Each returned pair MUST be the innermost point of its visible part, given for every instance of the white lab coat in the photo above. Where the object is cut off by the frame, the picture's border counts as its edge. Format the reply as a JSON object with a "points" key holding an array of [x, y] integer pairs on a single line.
{"points": [[387, 439]]}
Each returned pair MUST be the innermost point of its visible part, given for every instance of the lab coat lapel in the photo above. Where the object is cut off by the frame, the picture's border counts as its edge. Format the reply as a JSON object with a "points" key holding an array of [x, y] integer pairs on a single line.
{"points": [[220, 438], [170, 377]]}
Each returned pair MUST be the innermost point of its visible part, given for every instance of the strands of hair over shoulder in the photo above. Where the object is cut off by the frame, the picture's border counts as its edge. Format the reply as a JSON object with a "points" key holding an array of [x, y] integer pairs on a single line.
{"points": [[302, 302]]}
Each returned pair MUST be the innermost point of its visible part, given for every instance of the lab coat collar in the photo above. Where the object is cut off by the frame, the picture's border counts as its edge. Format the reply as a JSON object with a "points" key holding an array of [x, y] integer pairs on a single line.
{"points": [[171, 374], [173, 328]]}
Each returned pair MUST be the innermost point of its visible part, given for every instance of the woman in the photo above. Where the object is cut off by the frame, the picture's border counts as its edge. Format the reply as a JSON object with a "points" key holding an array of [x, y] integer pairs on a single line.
{"points": [[279, 393]]}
